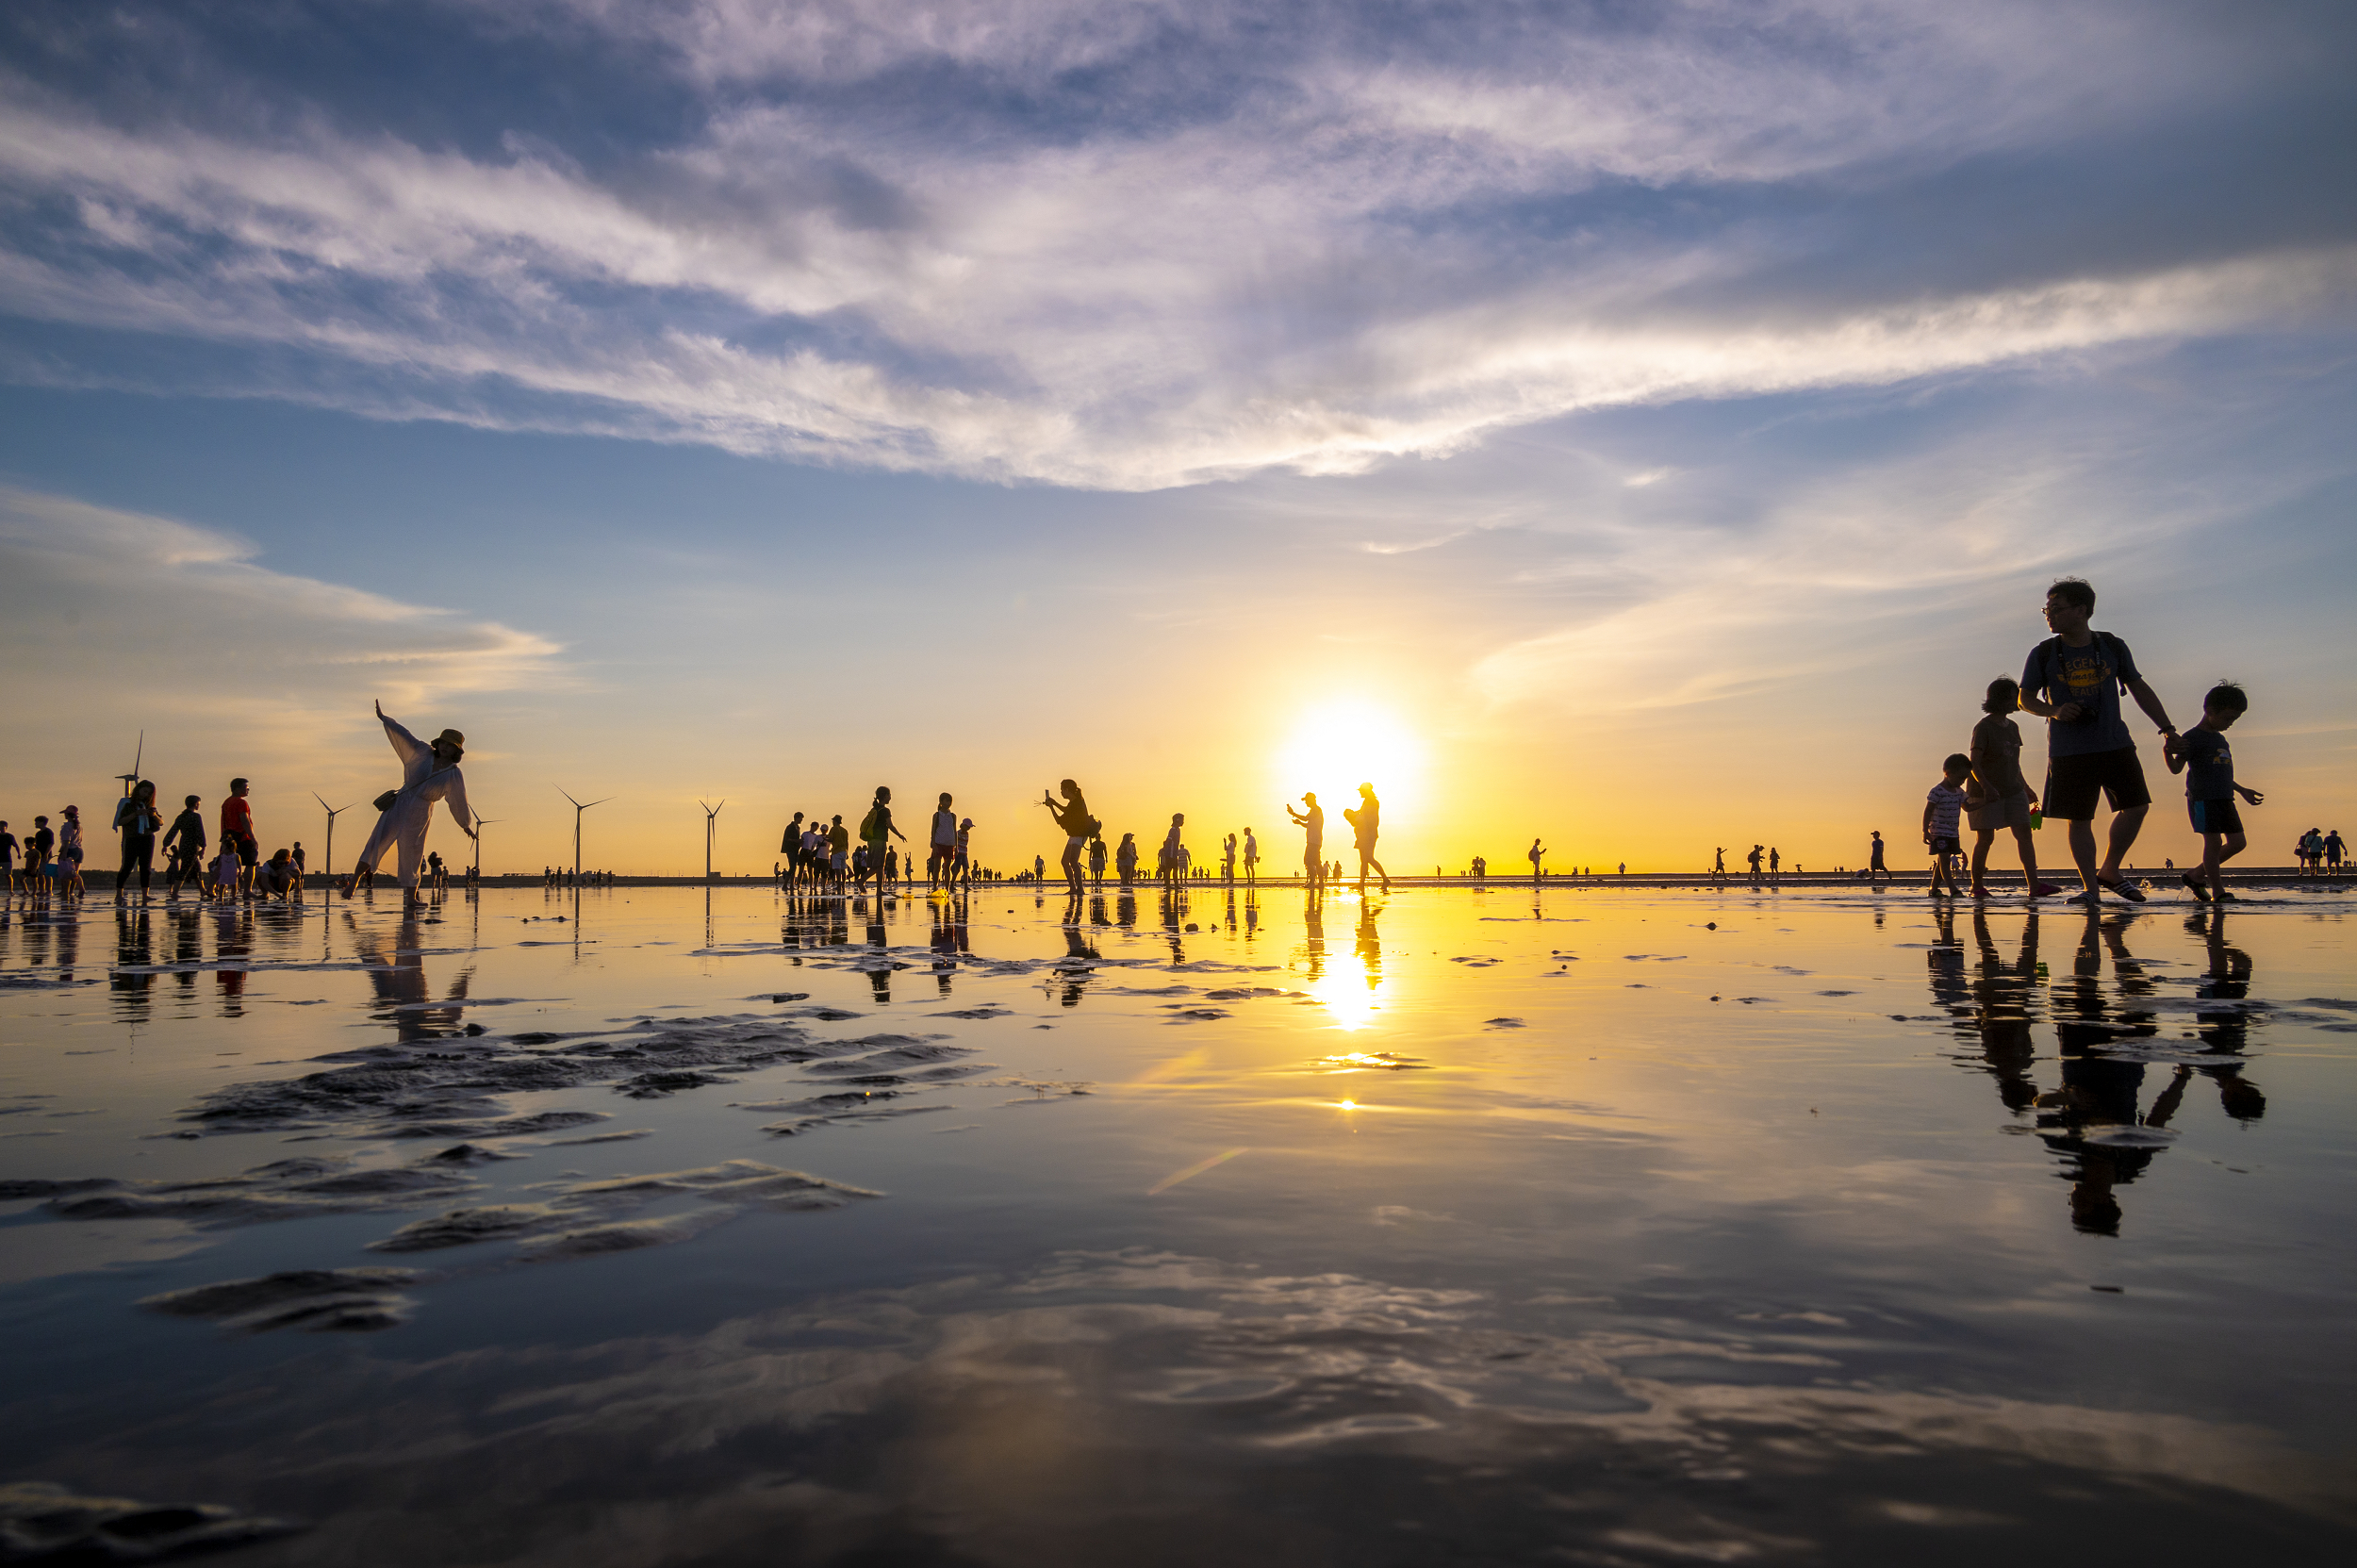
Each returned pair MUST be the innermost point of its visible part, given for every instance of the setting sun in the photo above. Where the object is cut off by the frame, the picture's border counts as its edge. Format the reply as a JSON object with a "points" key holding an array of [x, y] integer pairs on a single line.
{"points": [[1336, 748]]}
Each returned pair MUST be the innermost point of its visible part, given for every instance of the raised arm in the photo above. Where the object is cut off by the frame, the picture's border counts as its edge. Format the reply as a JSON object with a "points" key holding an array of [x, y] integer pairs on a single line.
{"points": [[408, 748]]}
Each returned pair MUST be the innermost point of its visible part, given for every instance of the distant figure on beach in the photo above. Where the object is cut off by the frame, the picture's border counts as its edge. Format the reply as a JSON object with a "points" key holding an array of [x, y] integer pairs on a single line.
{"points": [[1097, 861], [1874, 866], [2073, 680], [1126, 859], [1172, 858], [877, 832], [1072, 816], [138, 823], [429, 773], [1942, 807], [943, 842], [1251, 857], [838, 852], [7, 858], [1313, 824], [1753, 860], [1999, 796], [1535, 854], [237, 831], [2334, 851], [2208, 762], [1227, 858], [1775, 863], [1366, 821], [1039, 868], [1719, 863]]}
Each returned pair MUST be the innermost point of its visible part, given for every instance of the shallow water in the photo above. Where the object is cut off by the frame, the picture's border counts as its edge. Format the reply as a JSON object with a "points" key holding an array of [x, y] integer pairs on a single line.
{"points": [[1622, 1228]]}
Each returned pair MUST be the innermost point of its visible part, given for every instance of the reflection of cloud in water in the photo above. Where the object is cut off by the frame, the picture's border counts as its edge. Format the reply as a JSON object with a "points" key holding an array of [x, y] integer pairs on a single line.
{"points": [[1107, 1402]]}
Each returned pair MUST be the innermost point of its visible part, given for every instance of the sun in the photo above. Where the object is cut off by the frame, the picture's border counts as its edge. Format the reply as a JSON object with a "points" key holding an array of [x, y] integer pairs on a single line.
{"points": [[1336, 747]]}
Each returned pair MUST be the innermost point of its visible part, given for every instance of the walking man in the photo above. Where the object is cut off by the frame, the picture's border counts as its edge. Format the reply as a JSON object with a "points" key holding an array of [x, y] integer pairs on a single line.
{"points": [[1366, 821], [2073, 681]]}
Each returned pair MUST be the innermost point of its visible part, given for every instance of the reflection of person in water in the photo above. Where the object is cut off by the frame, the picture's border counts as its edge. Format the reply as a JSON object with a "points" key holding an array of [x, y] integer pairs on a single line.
{"points": [[1313, 934], [1370, 945], [429, 773], [2224, 1025], [396, 971]]}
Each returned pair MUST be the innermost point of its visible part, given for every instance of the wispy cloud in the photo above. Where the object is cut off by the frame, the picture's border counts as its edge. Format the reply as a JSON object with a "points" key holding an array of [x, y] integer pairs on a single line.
{"points": [[1135, 245]]}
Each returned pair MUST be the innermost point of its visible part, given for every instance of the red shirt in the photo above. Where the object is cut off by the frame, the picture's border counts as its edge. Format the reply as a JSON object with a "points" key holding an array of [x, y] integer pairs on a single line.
{"points": [[236, 818]]}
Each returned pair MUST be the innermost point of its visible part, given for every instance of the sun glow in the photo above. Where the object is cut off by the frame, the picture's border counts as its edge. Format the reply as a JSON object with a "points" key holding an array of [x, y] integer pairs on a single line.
{"points": [[1339, 746]]}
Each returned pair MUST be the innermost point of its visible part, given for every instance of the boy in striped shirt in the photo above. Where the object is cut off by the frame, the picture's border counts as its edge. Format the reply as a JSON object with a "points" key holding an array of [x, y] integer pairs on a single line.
{"points": [[1942, 808]]}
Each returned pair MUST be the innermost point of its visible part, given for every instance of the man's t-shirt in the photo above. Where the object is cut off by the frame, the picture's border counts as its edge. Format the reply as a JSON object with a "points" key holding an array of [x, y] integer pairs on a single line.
{"points": [[2091, 677], [1313, 823], [7, 848], [237, 818], [42, 842], [2209, 764], [1947, 800]]}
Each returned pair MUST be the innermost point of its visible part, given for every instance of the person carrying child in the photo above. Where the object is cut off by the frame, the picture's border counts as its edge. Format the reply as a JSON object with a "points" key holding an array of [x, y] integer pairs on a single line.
{"points": [[1999, 796], [1942, 807], [2203, 756]]}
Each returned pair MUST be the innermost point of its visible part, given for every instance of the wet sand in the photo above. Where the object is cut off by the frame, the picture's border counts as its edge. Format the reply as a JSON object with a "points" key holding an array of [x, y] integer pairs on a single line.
{"points": [[659, 1225]]}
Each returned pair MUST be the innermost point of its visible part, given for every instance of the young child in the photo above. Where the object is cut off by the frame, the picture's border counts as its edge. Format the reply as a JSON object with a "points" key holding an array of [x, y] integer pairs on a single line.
{"points": [[1941, 809], [1999, 796], [2208, 762]]}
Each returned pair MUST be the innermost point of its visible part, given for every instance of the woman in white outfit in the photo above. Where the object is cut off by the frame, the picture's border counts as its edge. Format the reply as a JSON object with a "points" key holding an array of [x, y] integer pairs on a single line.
{"points": [[428, 773]]}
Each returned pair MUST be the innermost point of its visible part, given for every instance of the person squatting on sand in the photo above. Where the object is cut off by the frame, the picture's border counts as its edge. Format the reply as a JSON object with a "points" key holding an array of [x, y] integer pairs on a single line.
{"points": [[429, 773]]}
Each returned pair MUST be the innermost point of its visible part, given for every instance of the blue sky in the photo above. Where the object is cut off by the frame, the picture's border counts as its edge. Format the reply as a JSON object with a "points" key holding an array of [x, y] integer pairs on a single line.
{"points": [[1660, 421]]}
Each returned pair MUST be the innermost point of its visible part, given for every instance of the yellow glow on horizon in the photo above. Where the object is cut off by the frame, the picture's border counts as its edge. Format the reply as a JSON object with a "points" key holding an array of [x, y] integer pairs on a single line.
{"points": [[1339, 745]]}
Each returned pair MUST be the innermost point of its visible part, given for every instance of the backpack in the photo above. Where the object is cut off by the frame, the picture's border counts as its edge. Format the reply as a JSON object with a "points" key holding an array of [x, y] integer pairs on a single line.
{"points": [[868, 824]]}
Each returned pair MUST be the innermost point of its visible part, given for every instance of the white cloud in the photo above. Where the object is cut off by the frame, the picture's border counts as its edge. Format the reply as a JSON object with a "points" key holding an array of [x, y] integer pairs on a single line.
{"points": [[1300, 267], [114, 620]]}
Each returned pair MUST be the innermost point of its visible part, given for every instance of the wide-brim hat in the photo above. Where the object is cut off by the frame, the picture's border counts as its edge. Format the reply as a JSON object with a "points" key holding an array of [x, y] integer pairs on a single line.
{"points": [[453, 737]]}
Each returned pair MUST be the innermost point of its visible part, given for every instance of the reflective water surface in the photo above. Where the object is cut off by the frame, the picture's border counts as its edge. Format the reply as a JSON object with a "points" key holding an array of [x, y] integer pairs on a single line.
{"points": [[1625, 1227]]}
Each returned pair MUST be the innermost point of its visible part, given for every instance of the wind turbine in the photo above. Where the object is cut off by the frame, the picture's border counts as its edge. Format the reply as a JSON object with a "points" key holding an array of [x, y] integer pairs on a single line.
{"points": [[330, 857], [133, 777], [578, 809], [712, 816], [481, 823]]}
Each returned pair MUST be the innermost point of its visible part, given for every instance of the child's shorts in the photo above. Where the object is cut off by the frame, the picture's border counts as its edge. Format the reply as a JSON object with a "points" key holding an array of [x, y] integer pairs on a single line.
{"points": [[1946, 846], [2218, 817]]}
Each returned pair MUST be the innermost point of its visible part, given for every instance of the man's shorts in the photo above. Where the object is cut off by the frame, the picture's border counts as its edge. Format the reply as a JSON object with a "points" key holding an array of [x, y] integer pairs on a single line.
{"points": [[1945, 847], [2219, 817], [249, 850], [2072, 783], [2007, 811]]}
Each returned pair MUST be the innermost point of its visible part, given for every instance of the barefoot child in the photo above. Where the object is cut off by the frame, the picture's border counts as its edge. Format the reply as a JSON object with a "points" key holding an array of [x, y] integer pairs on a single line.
{"points": [[1942, 807], [2208, 762], [2000, 797]]}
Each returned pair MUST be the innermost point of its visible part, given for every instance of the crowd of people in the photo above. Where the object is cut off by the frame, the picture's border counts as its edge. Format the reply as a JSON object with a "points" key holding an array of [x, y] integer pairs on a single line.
{"points": [[2074, 680]]}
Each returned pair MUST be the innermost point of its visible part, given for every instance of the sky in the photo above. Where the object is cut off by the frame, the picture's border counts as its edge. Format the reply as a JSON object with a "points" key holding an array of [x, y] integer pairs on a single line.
{"points": [[1645, 427]]}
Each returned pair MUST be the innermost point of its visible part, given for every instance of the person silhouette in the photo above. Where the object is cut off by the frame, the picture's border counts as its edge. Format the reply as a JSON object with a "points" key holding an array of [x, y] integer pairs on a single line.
{"points": [[1366, 822], [429, 773], [1536, 854], [1079, 827], [1313, 823]]}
